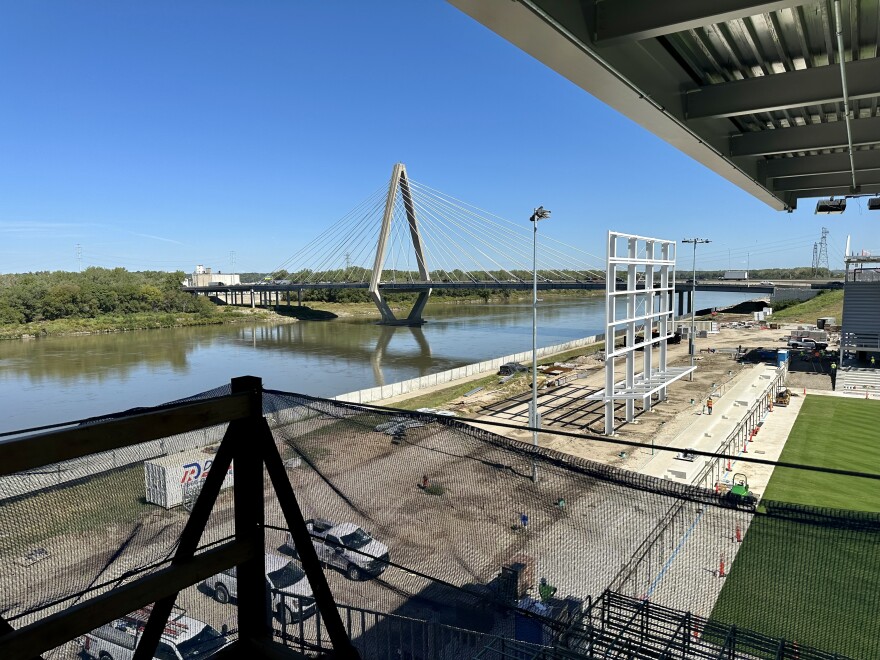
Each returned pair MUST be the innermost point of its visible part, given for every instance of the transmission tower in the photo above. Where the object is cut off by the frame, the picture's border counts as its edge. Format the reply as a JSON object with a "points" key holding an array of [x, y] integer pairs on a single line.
{"points": [[822, 254], [79, 256], [815, 262]]}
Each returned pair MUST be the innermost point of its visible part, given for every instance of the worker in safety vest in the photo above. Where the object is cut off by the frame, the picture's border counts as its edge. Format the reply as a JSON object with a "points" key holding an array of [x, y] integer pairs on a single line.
{"points": [[709, 404]]}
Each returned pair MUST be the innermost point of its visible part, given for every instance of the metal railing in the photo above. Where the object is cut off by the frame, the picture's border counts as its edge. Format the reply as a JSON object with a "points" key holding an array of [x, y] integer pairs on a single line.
{"points": [[673, 523]]}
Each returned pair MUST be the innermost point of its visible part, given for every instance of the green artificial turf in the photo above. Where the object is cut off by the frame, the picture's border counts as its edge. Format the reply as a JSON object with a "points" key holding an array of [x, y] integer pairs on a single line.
{"points": [[804, 573], [836, 433]]}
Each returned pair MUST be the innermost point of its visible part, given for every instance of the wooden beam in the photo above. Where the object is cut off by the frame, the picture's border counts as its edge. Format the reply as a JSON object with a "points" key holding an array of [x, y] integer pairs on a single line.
{"points": [[42, 449], [83, 617]]}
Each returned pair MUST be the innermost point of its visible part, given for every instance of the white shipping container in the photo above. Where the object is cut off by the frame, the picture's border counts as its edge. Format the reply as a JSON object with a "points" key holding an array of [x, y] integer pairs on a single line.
{"points": [[168, 479], [768, 311]]}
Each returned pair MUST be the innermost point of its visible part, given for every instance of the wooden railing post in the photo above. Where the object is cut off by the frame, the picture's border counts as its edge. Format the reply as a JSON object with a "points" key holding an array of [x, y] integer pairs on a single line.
{"points": [[253, 603]]}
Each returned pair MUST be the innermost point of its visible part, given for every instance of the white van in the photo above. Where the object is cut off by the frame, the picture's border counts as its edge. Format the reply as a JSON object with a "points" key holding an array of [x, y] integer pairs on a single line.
{"points": [[292, 599]]}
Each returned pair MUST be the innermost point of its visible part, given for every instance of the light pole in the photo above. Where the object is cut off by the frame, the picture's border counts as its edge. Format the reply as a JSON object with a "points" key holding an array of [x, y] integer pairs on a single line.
{"points": [[534, 420], [695, 241]]}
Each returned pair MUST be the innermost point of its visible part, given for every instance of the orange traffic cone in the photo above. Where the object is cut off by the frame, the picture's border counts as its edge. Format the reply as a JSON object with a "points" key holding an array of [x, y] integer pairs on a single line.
{"points": [[721, 572]]}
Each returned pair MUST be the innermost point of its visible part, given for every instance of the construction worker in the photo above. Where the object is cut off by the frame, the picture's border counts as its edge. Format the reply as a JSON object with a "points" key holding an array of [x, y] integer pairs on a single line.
{"points": [[709, 404], [873, 362]]}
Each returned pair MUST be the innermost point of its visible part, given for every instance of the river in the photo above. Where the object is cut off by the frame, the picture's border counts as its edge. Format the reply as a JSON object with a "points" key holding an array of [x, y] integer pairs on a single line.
{"points": [[51, 380]]}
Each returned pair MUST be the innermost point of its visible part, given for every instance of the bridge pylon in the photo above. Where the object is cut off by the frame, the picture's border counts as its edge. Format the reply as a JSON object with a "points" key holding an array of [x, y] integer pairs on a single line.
{"points": [[399, 181]]}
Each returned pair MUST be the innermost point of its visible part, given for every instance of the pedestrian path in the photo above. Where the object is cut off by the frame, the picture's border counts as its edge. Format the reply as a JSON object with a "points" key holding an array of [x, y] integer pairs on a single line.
{"points": [[708, 432]]}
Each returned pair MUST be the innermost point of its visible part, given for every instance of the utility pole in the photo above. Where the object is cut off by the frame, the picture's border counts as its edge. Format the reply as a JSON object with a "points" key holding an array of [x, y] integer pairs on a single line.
{"points": [[695, 241], [232, 258], [534, 419]]}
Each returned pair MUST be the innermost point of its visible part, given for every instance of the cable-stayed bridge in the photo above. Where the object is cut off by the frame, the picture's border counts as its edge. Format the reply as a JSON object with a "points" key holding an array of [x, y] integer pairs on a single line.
{"points": [[409, 237]]}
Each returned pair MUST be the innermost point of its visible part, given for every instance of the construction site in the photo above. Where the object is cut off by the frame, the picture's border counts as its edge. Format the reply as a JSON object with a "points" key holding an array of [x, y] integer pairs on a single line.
{"points": [[588, 545], [672, 487]]}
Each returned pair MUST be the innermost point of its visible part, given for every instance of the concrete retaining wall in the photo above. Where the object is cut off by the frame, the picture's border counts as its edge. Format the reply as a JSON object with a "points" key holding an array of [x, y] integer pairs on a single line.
{"points": [[489, 366]]}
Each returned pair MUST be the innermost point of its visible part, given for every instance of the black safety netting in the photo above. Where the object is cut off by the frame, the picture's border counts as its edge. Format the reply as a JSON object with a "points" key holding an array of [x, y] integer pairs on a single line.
{"points": [[438, 543]]}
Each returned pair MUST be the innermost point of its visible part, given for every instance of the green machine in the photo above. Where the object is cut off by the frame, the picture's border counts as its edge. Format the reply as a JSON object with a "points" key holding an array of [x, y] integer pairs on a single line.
{"points": [[739, 492]]}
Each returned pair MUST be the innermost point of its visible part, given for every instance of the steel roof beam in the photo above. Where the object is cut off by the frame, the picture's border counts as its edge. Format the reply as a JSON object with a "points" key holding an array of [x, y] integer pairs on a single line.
{"points": [[633, 20], [822, 164], [804, 138], [781, 91], [841, 180], [792, 196]]}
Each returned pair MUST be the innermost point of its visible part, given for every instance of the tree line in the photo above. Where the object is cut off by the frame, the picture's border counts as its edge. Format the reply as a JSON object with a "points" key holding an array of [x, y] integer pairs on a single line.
{"points": [[92, 293]]}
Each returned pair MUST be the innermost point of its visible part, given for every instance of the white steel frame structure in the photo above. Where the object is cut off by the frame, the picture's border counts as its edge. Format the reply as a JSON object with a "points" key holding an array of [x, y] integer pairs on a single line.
{"points": [[644, 305]]}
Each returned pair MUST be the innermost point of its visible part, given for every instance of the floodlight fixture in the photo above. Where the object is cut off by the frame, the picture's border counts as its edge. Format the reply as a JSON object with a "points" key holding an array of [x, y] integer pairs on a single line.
{"points": [[540, 214], [831, 206], [874, 204]]}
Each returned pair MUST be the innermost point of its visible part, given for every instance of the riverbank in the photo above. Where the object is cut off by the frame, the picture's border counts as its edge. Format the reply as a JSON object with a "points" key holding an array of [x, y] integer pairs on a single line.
{"points": [[113, 323], [398, 305], [223, 314]]}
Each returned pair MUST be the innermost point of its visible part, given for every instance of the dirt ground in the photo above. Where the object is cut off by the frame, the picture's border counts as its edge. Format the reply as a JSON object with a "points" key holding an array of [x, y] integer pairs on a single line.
{"points": [[565, 409]]}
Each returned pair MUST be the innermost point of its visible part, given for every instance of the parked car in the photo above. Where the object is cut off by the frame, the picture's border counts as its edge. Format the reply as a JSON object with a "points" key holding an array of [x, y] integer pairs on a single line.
{"points": [[291, 593], [184, 638], [347, 547], [808, 344]]}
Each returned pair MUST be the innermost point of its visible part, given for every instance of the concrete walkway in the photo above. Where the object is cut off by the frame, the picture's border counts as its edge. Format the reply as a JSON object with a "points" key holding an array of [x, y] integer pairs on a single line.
{"points": [[708, 432]]}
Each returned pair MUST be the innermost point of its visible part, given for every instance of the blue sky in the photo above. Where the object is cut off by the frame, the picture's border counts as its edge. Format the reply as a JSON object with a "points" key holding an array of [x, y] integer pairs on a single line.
{"points": [[162, 134]]}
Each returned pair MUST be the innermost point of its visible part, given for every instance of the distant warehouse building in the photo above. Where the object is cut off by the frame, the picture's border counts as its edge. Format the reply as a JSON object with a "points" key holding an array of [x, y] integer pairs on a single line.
{"points": [[860, 333], [204, 277]]}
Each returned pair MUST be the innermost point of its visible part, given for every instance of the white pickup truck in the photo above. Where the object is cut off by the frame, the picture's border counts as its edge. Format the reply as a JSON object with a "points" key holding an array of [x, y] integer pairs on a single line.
{"points": [[336, 546], [184, 638], [291, 593], [807, 343]]}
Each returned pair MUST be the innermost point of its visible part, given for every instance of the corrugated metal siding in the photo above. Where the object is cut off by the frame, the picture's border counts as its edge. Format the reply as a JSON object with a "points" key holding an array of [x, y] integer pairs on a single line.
{"points": [[861, 314], [787, 40]]}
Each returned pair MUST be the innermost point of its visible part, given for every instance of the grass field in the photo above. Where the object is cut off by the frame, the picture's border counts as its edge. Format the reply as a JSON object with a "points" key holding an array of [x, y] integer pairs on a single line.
{"points": [[813, 577], [113, 498], [828, 303]]}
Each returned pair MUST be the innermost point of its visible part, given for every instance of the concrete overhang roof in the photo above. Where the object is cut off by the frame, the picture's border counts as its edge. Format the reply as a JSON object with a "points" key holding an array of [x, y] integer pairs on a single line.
{"points": [[752, 89]]}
